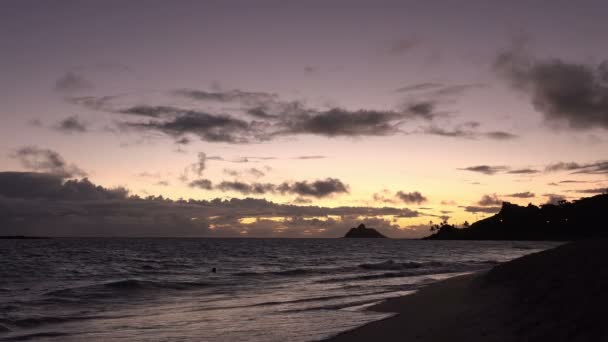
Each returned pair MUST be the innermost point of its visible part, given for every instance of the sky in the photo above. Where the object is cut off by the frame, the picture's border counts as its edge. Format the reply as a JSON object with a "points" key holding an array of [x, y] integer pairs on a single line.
{"points": [[295, 118]]}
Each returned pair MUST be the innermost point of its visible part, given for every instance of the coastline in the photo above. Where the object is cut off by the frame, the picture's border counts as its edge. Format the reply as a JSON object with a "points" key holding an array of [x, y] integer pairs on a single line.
{"points": [[557, 294]]}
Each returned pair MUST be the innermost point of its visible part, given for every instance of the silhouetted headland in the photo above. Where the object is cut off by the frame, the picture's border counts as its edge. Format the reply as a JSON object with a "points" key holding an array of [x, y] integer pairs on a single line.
{"points": [[580, 219], [363, 232], [554, 295]]}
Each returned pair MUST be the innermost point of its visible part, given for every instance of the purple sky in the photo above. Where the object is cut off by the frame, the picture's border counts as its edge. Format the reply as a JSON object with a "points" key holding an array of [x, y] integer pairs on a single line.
{"points": [[424, 109]]}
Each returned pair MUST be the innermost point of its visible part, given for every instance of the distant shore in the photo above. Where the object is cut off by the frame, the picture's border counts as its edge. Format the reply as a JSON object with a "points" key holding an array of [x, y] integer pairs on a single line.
{"points": [[554, 295]]}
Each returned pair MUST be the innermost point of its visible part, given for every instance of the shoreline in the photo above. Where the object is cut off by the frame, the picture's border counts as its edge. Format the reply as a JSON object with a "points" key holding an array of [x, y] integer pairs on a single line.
{"points": [[554, 295]]}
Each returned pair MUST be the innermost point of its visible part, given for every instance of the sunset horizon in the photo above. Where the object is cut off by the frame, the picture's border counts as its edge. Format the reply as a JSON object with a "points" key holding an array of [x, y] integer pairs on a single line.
{"points": [[222, 104]]}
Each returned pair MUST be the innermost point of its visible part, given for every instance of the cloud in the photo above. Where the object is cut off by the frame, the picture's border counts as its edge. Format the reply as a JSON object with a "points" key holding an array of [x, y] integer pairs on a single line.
{"points": [[72, 82], [489, 200], [201, 184], [201, 164], [381, 197], [71, 124], [246, 188], [302, 200], [564, 92], [208, 127], [248, 98], [598, 167], [526, 194], [46, 205], [152, 111], [256, 172], [500, 135], [554, 198], [592, 191], [465, 131], [34, 185], [342, 122], [411, 197], [318, 188], [486, 169], [420, 87], [309, 157], [46, 160], [483, 209], [523, 171], [98, 103]]}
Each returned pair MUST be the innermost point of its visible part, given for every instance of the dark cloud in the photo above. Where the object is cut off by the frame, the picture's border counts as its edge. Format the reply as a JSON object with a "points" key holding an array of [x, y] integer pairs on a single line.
{"points": [[318, 188], [162, 183], [342, 122], [574, 93], [302, 200], [486, 169], [422, 109], [71, 124], [201, 184], [500, 135], [451, 133], [201, 164], [152, 111], [599, 167], [34, 185], [72, 82], [467, 131], [246, 188], [411, 197], [208, 127], [46, 160], [526, 194], [489, 200], [592, 191], [409, 213], [485, 210], [45, 205], [523, 171]]}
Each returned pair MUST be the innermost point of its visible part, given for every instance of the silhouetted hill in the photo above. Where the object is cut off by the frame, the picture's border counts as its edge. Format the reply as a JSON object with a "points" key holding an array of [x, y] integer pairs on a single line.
{"points": [[362, 232], [580, 219]]}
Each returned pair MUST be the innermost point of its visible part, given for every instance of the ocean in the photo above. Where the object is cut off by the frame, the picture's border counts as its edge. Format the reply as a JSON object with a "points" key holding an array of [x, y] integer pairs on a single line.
{"points": [[157, 289]]}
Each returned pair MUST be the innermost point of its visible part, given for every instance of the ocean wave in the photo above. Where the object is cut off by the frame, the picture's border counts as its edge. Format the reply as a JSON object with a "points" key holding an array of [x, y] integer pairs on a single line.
{"points": [[34, 336], [392, 265], [127, 285], [286, 273]]}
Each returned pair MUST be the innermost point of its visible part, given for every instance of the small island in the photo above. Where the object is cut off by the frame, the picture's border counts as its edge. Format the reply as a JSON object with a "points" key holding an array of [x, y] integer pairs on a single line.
{"points": [[363, 232]]}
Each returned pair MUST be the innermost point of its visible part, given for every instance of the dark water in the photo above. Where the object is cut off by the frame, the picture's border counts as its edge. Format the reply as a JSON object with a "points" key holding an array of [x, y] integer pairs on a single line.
{"points": [[264, 289]]}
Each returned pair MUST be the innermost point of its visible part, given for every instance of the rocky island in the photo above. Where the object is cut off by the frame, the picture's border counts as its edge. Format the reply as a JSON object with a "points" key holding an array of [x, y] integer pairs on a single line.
{"points": [[363, 232]]}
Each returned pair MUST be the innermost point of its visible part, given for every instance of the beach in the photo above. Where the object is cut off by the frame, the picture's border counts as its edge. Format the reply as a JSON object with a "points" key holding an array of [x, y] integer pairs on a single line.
{"points": [[554, 295]]}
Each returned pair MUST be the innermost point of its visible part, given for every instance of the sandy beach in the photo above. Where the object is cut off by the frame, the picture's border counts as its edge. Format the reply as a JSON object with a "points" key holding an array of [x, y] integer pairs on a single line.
{"points": [[555, 295]]}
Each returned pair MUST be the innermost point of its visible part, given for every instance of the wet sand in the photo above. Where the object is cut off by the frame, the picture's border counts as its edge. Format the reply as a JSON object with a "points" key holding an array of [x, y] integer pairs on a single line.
{"points": [[556, 295]]}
